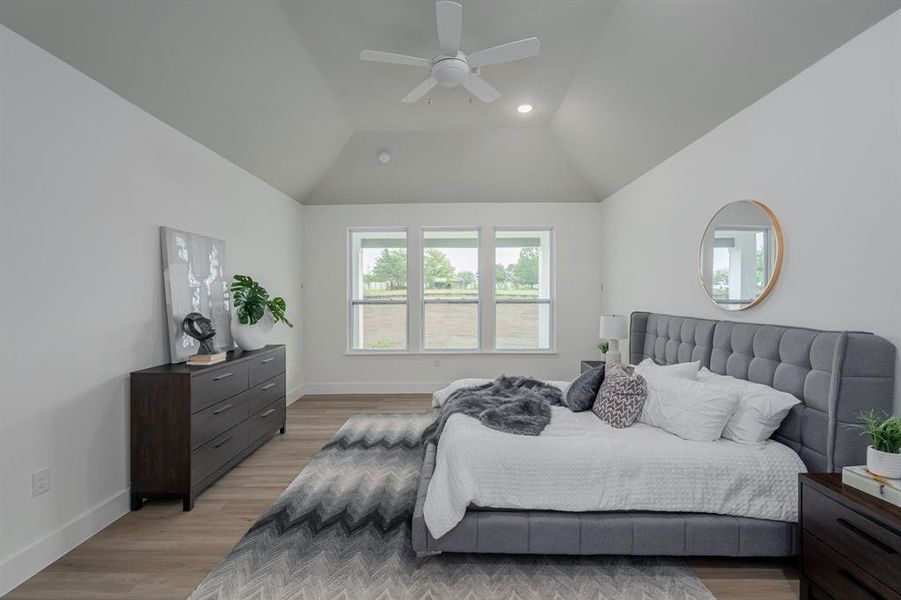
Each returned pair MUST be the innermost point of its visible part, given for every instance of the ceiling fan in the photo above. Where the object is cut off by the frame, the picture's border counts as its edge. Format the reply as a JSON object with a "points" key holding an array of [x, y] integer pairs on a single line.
{"points": [[451, 67]]}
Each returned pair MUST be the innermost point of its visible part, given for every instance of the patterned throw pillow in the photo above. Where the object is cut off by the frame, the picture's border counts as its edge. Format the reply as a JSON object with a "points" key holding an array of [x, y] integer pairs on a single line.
{"points": [[581, 393], [621, 396]]}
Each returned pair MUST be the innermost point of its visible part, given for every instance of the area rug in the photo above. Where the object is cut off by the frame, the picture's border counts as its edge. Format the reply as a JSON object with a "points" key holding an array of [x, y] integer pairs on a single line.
{"points": [[341, 530]]}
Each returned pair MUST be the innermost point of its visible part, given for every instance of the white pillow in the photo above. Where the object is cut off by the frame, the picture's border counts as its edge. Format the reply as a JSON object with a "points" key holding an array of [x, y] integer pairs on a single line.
{"points": [[690, 409], [761, 409], [439, 397], [562, 385], [687, 370]]}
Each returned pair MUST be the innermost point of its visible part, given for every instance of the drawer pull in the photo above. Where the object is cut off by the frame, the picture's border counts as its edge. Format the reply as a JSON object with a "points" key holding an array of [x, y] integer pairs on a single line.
{"points": [[266, 387], [223, 376], [223, 409], [267, 413], [853, 529], [860, 584], [223, 442], [268, 360]]}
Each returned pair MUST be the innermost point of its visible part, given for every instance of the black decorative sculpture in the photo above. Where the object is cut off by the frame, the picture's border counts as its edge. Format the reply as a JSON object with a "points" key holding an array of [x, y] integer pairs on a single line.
{"points": [[201, 329]]}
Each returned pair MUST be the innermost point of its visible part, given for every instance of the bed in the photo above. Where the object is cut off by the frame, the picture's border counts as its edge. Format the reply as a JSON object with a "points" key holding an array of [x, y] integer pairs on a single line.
{"points": [[835, 374]]}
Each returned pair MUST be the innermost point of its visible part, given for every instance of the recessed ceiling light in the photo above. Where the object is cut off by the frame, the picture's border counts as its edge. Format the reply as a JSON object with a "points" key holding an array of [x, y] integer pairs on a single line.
{"points": [[524, 108]]}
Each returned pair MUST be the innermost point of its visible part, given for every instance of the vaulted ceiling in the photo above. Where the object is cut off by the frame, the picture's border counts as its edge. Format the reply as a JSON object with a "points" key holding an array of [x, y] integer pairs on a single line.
{"points": [[277, 87]]}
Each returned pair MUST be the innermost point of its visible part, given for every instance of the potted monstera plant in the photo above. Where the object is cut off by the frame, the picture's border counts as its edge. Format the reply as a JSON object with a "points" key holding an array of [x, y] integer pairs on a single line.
{"points": [[255, 313], [884, 455]]}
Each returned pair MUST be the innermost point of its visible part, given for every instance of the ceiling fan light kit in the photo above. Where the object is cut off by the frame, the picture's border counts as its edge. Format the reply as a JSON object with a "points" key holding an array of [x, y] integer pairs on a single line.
{"points": [[450, 72], [451, 67]]}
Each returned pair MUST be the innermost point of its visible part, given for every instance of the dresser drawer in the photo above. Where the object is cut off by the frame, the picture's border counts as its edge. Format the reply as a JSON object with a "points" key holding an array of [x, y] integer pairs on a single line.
{"points": [[218, 418], [217, 452], [219, 384], [267, 421], [864, 541], [266, 366], [838, 576], [266, 393]]}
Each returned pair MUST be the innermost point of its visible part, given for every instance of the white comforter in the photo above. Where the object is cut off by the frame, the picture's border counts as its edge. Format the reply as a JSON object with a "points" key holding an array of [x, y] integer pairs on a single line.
{"points": [[579, 463]]}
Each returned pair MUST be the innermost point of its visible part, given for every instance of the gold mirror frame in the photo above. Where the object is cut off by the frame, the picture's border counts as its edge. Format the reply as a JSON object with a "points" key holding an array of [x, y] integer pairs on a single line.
{"points": [[777, 264]]}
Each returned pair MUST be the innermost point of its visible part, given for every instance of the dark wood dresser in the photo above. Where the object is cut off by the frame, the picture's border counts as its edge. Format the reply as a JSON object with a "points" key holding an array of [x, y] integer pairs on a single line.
{"points": [[850, 541], [191, 424]]}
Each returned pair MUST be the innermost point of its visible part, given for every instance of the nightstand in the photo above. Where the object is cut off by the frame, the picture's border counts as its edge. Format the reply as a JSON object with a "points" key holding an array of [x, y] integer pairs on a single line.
{"points": [[850, 541], [588, 365]]}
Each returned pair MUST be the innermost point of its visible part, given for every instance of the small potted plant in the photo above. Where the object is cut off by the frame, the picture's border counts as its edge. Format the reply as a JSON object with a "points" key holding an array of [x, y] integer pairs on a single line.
{"points": [[255, 313], [884, 455], [603, 347]]}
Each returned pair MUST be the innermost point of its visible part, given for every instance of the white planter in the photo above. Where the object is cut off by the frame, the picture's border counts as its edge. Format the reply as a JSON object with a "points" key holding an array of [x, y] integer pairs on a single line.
{"points": [[885, 464], [252, 337]]}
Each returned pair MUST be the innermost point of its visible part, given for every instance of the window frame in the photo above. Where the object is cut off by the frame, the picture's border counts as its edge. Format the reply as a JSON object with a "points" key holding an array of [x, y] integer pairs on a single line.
{"points": [[551, 301], [487, 299], [768, 252], [422, 300], [352, 302]]}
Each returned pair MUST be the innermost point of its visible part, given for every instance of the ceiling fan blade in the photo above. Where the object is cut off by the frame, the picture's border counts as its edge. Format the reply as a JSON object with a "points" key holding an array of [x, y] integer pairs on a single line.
{"points": [[505, 53], [420, 90], [450, 26], [394, 59], [481, 89]]}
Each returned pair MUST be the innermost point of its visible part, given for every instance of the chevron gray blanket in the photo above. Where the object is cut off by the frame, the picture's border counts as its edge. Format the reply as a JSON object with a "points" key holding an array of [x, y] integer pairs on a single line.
{"points": [[520, 405]]}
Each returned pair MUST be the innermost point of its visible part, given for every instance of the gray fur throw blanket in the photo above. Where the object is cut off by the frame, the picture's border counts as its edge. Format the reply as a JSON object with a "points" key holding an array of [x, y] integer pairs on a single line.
{"points": [[519, 405]]}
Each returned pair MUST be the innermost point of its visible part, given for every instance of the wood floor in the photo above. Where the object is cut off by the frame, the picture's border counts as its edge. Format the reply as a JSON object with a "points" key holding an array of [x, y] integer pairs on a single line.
{"points": [[160, 552]]}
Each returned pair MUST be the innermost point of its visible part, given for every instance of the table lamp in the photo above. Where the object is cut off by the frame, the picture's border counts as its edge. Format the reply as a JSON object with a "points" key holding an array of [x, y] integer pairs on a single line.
{"points": [[613, 329]]}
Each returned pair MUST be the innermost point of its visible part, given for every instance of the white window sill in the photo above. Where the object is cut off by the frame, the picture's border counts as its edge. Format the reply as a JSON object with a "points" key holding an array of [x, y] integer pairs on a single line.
{"points": [[453, 353]]}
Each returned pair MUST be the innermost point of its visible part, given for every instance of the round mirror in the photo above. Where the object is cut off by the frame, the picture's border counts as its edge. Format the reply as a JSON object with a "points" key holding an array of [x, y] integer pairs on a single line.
{"points": [[741, 255]]}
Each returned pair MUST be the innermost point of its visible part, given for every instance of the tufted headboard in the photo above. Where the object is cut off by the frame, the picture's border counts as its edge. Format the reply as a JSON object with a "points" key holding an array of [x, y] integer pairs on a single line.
{"points": [[836, 375]]}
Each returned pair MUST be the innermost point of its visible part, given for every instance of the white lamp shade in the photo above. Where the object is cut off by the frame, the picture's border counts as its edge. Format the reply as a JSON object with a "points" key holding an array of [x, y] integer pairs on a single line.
{"points": [[613, 327]]}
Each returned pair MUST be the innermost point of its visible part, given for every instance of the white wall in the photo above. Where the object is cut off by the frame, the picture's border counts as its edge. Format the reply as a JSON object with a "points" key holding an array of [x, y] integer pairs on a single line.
{"points": [[86, 179], [824, 152], [329, 369]]}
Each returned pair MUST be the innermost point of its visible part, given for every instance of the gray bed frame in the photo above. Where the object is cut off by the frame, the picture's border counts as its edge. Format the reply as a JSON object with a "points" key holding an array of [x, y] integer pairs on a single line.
{"points": [[835, 374]]}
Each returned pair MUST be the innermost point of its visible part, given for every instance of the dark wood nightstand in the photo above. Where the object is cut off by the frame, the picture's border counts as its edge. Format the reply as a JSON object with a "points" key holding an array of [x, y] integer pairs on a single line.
{"points": [[588, 365], [850, 541]]}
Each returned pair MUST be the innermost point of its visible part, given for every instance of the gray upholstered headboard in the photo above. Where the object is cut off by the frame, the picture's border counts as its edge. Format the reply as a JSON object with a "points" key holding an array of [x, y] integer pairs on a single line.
{"points": [[835, 374]]}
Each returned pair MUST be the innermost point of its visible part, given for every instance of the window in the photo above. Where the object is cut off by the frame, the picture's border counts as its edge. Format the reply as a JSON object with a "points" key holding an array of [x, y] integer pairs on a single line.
{"points": [[378, 290], [523, 289], [742, 263], [421, 290], [450, 289]]}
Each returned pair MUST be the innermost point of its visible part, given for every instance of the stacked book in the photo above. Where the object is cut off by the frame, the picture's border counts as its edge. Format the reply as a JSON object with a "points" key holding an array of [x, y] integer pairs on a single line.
{"points": [[206, 359], [881, 487]]}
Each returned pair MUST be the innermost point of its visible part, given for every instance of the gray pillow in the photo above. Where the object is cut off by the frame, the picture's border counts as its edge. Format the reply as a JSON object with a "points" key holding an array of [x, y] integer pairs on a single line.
{"points": [[621, 397], [581, 393]]}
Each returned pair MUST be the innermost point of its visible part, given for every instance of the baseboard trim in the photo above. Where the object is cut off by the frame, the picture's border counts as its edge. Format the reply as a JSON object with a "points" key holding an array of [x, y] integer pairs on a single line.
{"points": [[294, 395], [401, 387], [25, 563]]}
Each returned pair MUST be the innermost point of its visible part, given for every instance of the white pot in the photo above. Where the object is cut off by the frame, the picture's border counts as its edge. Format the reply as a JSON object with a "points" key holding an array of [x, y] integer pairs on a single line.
{"points": [[885, 464], [252, 337]]}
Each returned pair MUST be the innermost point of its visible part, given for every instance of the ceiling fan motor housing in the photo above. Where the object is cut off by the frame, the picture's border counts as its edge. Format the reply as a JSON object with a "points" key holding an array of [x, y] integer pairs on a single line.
{"points": [[450, 71]]}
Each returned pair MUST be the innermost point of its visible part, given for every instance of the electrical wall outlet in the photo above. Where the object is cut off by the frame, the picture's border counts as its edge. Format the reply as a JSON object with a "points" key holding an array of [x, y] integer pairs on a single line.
{"points": [[40, 482]]}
